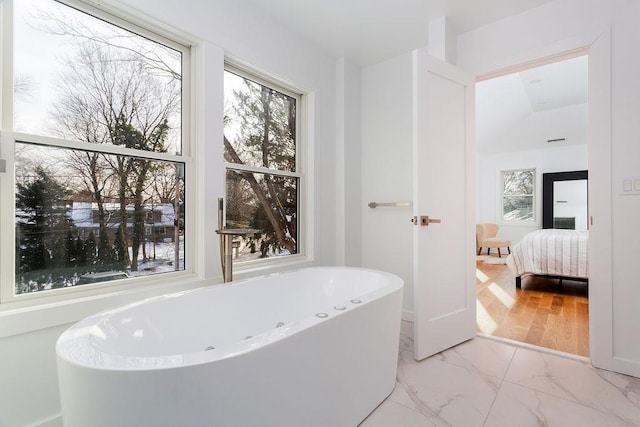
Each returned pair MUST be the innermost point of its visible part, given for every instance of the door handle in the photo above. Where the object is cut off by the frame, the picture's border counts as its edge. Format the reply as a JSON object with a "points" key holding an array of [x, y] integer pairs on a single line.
{"points": [[425, 220]]}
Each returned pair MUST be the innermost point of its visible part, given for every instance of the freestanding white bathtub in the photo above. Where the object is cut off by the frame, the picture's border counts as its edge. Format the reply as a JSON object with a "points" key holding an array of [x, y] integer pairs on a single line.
{"points": [[313, 347]]}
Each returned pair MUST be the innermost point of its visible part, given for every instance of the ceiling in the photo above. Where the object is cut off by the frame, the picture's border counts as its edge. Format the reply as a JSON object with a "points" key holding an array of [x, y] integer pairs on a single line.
{"points": [[515, 112], [368, 31], [523, 111]]}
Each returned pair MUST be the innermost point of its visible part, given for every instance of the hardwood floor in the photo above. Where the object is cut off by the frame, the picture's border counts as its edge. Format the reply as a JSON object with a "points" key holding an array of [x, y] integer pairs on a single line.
{"points": [[542, 313]]}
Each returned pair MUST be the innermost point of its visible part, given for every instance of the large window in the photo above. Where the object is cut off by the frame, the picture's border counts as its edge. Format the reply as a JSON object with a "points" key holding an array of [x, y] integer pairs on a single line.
{"points": [[261, 127], [93, 133], [518, 195]]}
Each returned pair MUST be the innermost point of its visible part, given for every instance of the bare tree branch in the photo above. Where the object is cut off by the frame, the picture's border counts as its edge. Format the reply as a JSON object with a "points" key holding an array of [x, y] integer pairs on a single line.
{"points": [[233, 157]]}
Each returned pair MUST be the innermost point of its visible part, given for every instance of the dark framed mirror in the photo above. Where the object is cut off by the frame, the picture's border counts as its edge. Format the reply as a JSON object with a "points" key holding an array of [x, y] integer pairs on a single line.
{"points": [[564, 200]]}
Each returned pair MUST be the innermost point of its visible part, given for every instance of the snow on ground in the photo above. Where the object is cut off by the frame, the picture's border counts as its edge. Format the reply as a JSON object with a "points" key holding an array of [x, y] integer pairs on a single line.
{"points": [[165, 252], [244, 254], [164, 261]]}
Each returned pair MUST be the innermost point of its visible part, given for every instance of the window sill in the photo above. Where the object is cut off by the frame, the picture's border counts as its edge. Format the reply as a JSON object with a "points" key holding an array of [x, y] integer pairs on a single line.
{"points": [[18, 318], [259, 267]]}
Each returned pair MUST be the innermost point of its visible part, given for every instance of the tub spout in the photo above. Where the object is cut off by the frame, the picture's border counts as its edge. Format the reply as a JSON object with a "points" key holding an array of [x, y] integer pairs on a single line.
{"points": [[227, 235]]}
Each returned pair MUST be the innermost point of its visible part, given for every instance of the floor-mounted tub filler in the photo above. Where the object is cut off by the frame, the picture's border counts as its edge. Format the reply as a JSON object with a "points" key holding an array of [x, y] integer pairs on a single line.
{"points": [[313, 347]]}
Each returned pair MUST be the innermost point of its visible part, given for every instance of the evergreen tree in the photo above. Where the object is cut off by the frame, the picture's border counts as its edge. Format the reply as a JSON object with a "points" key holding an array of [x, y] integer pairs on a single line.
{"points": [[58, 264], [81, 248], [105, 252], [91, 251], [120, 252], [70, 248], [42, 224]]}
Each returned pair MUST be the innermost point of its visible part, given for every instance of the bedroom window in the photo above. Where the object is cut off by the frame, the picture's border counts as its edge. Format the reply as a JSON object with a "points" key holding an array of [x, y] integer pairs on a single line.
{"points": [[261, 153], [518, 195], [95, 148]]}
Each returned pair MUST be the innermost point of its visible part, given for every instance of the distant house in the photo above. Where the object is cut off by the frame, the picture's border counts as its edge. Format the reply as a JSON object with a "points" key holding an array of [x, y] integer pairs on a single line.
{"points": [[159, 225]]}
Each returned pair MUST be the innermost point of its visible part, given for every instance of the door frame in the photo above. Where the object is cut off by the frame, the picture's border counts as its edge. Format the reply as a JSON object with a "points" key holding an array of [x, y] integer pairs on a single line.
{"points": [[597, 45]]}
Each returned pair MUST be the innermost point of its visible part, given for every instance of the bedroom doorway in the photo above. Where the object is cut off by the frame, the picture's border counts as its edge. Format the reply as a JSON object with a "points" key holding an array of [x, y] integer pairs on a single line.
{"points": [[534, 119]]}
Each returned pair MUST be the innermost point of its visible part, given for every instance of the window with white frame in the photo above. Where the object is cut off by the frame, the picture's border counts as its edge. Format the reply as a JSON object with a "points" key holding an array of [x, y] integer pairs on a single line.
{"points": [[261, 127], [518, 195], [92, 128]]}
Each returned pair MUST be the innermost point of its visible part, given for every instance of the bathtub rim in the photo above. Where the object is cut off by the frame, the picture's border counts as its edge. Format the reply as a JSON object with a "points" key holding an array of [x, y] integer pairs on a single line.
{"points": [[76, 340]]}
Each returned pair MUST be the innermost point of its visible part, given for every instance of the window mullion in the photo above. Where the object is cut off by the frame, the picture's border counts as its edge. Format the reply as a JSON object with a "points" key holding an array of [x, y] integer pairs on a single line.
{"points": [[102, 148], [267, 171]]}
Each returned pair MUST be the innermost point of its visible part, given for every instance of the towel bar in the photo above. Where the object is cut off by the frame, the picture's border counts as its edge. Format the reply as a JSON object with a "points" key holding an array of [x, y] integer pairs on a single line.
{"points": [[374, 205]]}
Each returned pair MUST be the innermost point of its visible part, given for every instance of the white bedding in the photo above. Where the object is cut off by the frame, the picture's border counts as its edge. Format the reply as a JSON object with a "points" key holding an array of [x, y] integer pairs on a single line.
{"points": [[551, 252]]}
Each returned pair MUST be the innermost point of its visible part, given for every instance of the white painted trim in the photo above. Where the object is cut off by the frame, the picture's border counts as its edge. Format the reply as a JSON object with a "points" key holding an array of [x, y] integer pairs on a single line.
{"points": [[307, 242], [17, 320], [340, 184], [130, 15], [208, 183], [7, 221], [259, 169], [262, 76], [598, 46], [552, 52], [98, 148], [599, 143], [407, 315], [626, 366], [562, 56]]}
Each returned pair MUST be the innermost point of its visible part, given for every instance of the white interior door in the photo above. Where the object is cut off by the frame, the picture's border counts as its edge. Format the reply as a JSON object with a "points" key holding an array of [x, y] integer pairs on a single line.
{"points": [[444, 180]]}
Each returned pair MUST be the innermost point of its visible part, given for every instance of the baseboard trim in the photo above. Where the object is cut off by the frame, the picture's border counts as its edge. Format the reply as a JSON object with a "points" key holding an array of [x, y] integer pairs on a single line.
{"points": [[626, 366], [51, 422]]}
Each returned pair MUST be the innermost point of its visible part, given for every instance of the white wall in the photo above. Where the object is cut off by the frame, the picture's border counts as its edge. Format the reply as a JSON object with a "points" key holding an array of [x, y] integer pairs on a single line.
{"points": [[538, 127], [28, 378], [387, 240], [553, 26], [558, 159], [348, 164]]}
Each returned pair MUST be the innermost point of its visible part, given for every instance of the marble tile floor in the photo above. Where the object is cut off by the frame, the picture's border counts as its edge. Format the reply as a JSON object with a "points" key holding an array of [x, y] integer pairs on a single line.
{"points": [[484, 382]]}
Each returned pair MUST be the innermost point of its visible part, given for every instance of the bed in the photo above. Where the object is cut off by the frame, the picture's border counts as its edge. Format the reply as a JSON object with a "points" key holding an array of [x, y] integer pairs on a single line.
{"points": [[551, 253]]}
